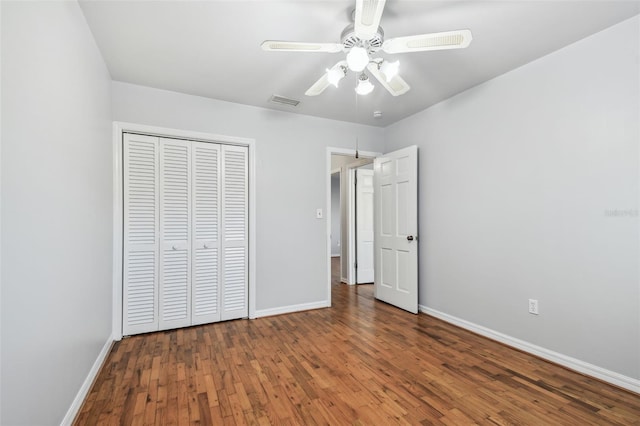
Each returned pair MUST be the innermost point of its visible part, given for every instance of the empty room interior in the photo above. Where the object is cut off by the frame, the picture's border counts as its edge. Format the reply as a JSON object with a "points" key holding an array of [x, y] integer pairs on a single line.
{"points": [[320, 212]]}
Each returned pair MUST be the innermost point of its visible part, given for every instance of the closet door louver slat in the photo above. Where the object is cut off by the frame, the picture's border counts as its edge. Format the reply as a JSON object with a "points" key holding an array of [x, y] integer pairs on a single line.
{"points": [[140, 257]]}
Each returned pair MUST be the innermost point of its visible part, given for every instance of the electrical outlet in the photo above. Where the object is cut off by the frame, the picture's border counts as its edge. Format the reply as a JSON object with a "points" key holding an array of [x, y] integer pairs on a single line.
{"points": [[533, 306]]}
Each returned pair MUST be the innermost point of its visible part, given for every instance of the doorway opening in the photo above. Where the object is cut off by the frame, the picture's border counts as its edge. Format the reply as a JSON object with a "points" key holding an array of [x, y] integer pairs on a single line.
{"points": [[349, 230], [395, 220]]}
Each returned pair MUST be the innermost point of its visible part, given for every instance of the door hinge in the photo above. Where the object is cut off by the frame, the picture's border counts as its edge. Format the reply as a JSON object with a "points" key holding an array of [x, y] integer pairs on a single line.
{"points": [[355, 265]]}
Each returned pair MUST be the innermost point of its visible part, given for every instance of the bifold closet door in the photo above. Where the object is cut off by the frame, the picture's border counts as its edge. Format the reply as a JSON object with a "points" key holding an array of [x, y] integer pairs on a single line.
{"points": [[185, 233], [234, 303], [141, 234], [206, 181], [175, 234]]}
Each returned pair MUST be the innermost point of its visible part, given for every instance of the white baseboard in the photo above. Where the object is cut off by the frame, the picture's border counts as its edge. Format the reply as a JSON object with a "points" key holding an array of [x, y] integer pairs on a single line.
{"points": [[603, 374], [73, 410], [291, 308]]}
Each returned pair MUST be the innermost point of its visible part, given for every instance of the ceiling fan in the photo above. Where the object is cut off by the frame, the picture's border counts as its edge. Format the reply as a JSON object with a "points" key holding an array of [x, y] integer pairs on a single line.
{"points": [[365, 38]]}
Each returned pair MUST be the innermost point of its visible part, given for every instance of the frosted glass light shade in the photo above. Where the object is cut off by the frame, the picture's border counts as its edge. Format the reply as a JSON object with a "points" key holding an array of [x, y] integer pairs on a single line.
{"points": [[364, 86], [389, 69], [334, 75], [357, 58]]}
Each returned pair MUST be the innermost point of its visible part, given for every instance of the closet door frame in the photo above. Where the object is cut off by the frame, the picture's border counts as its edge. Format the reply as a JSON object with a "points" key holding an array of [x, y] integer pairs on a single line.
{"points": [[119, 129]]}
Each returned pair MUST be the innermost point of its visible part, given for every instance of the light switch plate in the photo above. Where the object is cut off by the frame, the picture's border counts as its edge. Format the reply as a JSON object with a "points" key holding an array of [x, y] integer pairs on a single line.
{"points": [[319, 214]]}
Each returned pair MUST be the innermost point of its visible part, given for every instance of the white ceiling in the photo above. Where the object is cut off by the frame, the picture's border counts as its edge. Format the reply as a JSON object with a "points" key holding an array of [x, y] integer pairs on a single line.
{"points": [[212, 48]]}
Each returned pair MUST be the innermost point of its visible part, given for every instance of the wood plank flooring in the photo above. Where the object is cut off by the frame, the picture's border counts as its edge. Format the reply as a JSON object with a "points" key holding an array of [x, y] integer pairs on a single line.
{"points": [[359, 362]]}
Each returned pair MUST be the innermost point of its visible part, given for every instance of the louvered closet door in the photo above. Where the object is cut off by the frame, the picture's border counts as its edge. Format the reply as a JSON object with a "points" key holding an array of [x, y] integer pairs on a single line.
{"points": [[141, 222], [205, 289], [234, 295], [175, 234]]}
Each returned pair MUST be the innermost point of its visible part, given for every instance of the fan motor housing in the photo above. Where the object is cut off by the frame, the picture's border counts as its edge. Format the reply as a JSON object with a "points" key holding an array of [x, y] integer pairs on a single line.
{"points": [[349, 39]]}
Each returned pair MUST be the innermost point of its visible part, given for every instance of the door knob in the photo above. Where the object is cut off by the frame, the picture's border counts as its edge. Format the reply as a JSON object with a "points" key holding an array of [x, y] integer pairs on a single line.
{"points": [[174, 248], [410, 237], [206, 246]]}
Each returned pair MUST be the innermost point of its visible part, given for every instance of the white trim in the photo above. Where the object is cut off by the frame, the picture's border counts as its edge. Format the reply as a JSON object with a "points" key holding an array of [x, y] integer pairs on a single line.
{"points": [[74, 409], [575, 364], [182, 134], [350, 196], [121, 127], [292, 308], [118, 206], [1, 287], [252, 228], [328, 231]]}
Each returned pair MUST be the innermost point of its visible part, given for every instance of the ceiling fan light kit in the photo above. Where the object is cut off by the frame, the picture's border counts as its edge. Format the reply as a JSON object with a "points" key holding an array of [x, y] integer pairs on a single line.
{"points": [[364, 86], [363, 38]]}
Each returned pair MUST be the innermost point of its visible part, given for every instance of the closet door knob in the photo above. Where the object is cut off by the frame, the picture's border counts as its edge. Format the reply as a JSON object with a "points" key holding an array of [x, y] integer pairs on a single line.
{"points": [[206, 246], [410, 237], [174, 248]]}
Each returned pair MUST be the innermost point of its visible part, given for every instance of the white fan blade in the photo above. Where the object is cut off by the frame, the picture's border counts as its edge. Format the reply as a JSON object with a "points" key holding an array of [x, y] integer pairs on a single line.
{"points": [[435, 41], [323, 82], [294, 46], [367, 20], [396, 86], [319, 86]]}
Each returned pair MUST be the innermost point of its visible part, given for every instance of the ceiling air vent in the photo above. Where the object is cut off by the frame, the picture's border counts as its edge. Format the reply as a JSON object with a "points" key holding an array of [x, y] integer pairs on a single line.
{"points": [[284, 101]]}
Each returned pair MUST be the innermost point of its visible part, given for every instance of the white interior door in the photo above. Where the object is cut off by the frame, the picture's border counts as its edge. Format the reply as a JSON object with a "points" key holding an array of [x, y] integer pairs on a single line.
{"points": [[396, 228], [364, 226]]}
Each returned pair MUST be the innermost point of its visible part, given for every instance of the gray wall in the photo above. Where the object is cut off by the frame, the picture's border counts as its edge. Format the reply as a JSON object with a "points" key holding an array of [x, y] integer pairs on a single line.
{"points": [[335, 214], [291, 243], [56, 209], [519, 182]]}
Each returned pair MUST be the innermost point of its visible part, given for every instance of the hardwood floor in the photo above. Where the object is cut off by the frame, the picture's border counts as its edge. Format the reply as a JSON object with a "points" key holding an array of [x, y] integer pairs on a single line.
{"points": [[359, 362]]}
